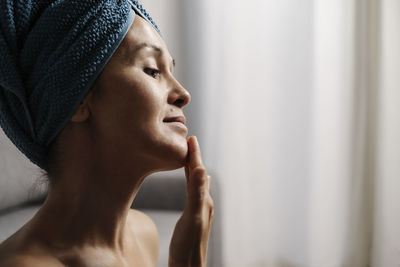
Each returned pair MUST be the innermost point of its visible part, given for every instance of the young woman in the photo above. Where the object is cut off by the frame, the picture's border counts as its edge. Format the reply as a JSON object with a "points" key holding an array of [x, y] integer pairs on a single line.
{"points": [[126, 124]]}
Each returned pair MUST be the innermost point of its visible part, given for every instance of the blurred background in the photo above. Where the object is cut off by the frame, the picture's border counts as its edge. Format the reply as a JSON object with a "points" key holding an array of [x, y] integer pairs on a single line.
{"points": [[296, 106]]}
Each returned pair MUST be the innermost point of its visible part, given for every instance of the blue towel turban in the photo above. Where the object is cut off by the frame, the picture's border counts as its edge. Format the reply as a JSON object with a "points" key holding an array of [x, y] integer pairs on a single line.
{"points": [[51, 53]]}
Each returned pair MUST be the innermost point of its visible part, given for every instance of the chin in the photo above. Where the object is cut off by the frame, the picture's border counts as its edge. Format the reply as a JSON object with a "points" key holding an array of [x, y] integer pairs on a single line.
{"points": [[180, 154], [176, 154]]}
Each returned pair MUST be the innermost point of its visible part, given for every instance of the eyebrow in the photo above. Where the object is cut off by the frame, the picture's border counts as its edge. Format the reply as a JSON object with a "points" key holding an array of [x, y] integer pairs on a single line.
{"points": [[147, 45], [133, 50]]}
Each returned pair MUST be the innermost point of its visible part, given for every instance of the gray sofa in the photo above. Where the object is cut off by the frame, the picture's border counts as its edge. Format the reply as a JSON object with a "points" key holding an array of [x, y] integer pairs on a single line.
{"points": [[162, 197]]}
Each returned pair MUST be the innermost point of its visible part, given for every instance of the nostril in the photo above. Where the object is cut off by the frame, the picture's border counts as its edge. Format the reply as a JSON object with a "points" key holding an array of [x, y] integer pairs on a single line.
{"points": [[179, 102]]}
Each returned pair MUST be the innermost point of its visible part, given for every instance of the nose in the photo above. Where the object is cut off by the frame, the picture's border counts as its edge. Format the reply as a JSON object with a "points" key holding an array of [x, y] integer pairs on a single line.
{"points": [[178, 96]]}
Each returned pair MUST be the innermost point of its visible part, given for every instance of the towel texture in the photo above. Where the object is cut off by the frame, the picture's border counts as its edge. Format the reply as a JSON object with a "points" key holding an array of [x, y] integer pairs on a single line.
{"points": [[51, 52]]}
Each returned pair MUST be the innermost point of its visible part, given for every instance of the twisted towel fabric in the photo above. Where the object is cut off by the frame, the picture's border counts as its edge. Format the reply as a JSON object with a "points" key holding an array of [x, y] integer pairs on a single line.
{"points": [[51, 52]]}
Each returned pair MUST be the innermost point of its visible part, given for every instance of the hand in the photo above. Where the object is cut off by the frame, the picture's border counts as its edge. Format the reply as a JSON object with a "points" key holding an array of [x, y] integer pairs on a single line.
{"points": [[190, 239]]}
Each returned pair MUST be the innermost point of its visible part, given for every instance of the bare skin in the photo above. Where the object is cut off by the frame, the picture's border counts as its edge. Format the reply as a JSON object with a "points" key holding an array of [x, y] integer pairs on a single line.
{"points": [[115, 139]]}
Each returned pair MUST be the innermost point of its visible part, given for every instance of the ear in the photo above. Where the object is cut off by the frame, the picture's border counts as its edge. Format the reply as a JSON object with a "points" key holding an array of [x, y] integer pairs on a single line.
{"points": [[82, 113]]}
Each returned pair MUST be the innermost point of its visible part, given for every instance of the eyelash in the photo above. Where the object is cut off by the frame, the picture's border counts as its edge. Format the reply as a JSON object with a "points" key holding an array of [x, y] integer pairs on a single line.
{"points": [[152, 72]]}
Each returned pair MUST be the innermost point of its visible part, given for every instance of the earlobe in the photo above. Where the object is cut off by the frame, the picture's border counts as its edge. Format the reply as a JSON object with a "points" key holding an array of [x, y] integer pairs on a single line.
{"points": [[82, 113]]}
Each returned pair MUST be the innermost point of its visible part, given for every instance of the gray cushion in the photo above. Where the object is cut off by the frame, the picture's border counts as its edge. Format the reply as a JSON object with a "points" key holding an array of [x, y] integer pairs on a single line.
{"points": [[13, 219]]}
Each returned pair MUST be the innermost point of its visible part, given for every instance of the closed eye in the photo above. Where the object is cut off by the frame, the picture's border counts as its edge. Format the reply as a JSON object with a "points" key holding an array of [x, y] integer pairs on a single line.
{"points": [[155, 73]]}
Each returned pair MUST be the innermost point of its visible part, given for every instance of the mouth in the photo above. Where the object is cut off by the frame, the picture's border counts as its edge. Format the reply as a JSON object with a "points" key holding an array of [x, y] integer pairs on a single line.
{"points": [[179, 123], [179, 119]]}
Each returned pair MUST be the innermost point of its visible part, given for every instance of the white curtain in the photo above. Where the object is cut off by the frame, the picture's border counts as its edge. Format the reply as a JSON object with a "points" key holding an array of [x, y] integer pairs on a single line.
{"points": [[298, 113], [386, 246]]}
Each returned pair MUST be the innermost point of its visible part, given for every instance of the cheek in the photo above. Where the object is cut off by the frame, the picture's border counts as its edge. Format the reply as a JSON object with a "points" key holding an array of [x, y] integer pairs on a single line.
{"points": [[124, 113], [139, 100], [143, 113]]}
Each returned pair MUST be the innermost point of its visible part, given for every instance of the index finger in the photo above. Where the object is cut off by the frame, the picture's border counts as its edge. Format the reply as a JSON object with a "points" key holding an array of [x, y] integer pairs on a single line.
{"points": [[194, 153]]}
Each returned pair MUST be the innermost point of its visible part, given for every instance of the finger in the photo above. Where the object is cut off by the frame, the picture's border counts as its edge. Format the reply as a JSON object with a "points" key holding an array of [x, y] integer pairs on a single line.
{"points": [[197, 189], [197, 179], [187, 170], [208, 182], [187, 178], [194, 153], [187, 173]]}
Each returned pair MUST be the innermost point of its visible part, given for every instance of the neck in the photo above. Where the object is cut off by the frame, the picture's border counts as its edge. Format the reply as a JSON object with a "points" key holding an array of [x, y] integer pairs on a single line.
{"points": [[89, 201], [89, 205]]}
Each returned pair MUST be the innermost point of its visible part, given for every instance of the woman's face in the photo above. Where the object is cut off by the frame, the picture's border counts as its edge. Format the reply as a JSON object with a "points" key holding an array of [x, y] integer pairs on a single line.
{"points": [[133, 97]]}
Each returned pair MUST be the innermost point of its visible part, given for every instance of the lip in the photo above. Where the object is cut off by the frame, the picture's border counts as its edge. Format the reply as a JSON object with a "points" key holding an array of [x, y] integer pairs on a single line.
{"points": [[178, 125], [180, 119], [177, 122]]}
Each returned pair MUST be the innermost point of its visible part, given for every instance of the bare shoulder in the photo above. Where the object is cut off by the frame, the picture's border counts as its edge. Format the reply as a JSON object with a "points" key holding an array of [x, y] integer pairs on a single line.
{"points": [[145, 229], [28, 260], [142, 219], [16, 252], [142, 225]]}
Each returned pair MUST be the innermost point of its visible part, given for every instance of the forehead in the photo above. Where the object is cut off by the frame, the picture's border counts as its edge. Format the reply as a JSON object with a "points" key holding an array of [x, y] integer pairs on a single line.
{"points": [[142, 32]]}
